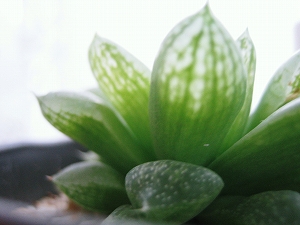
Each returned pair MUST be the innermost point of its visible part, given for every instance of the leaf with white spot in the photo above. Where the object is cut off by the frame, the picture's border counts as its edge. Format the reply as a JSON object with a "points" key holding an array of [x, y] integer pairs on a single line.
{"points": [[267, 208], [98, 93], [197, 89], [267, 158], [283, 87], [88, 119], [168, 192], [126, 215], [236, 131], [93, 185], [125, 81]]}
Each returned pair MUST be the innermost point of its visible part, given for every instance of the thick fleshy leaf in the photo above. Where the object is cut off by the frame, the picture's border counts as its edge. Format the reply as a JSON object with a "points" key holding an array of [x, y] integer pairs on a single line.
{"points": [[99, 93], [168, 191], [283, 87], [267, 208], [236, 131], [93, 185], [198, 87], [126, 82], [267, 158], [126, 215], [90, 121]]}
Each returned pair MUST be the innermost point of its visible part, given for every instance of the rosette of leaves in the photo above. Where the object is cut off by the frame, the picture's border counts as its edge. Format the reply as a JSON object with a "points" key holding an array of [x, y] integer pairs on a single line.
{"points": [[178, 142]]}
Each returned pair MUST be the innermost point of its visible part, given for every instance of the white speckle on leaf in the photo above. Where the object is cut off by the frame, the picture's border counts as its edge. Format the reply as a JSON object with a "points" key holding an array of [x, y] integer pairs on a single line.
{"points": [[174, 82], [229, 92], [205, 40], [219, 67], [129, 71], [178, 89], [196, 88]]}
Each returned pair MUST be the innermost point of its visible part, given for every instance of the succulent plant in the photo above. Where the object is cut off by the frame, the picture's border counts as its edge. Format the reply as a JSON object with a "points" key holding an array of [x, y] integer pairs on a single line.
{"points": [[179, 142]]}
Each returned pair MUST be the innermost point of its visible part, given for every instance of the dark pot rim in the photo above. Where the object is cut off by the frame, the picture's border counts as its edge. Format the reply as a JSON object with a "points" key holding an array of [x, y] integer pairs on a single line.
{"points": [[23, 178]]}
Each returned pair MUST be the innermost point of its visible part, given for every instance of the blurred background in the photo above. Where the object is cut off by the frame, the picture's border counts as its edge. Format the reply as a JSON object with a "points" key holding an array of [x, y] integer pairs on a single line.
{"points": [[44, 44]]}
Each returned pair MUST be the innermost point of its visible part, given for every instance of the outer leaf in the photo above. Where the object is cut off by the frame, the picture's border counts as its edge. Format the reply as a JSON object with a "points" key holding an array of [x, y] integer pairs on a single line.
{"points": [[99, 94], [93, 185], [236, 131], [268, 208], [126, 215], [267, 158], [284, 87], [90, 121], [168, 192], [198, 88], [126, 82]]}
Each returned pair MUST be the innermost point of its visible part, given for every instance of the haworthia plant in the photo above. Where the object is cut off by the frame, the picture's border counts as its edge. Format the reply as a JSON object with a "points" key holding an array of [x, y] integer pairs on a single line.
{"points": [[178, 141]]}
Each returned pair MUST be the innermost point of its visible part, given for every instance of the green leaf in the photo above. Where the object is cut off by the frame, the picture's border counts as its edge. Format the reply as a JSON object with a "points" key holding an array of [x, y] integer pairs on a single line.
{"points": [[126, 215], [93, 185], [99, 94], [198, 87], [125, 81], [283, 87], [168, 192], [267, 208], [92, 122], [236, 131], [267, 158]]}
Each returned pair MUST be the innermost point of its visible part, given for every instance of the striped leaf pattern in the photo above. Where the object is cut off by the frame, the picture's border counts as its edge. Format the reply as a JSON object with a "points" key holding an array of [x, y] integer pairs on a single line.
{"points": [[236, 131], [125, 81], [197, 89], [282, 88], [92, 122]]}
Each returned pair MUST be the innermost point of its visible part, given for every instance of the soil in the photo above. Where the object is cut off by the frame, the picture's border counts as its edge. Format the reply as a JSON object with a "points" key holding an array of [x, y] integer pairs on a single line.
{"points": [[58, 209]]}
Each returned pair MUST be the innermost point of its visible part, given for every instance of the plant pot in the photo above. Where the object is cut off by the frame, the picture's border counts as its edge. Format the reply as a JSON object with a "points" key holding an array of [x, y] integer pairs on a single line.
{"points": [[23, 180]]}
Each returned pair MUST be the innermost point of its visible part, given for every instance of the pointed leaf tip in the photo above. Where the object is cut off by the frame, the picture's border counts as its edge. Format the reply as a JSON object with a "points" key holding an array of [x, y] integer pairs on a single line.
{"points": [[88, 119], [125, 81], [167, 193], [279, 91], [171, 191], [93, 185], [198, 87], [246, 46]]}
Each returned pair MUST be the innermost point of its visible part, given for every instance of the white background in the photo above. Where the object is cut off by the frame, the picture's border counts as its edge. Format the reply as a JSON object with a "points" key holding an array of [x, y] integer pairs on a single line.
{"points": [[43, 46]]}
